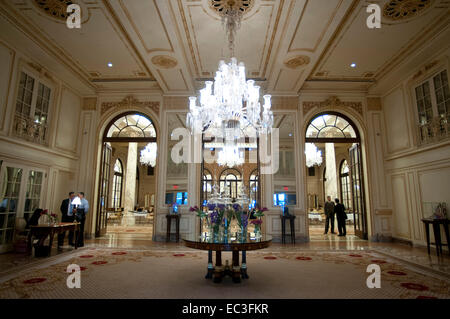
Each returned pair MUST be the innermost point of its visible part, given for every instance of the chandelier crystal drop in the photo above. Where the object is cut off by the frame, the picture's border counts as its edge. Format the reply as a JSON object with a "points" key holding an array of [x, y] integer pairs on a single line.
{"points": [[148, 155], [230, 156], [313, 155]]}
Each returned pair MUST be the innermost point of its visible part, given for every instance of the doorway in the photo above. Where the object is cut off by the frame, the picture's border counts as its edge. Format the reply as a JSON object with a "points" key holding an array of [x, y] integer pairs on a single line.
{"points": [[127, 188], [334, 168]]}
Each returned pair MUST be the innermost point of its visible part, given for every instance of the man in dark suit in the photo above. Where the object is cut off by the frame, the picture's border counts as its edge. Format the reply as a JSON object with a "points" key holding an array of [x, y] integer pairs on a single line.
{"points": [[341, 216], [329, 213], [68, 216]]}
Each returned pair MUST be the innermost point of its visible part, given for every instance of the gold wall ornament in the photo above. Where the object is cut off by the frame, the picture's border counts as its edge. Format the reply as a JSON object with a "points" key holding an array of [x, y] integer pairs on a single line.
{"points": [[55, 8], [89, 103], [405, 9], [332, 103], [297, 61], [128, 103], [242, 5], [164, 61]]}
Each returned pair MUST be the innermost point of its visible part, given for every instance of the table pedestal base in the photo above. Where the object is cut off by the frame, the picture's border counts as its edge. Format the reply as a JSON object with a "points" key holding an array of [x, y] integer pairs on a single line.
{"points": [[235, 271]]}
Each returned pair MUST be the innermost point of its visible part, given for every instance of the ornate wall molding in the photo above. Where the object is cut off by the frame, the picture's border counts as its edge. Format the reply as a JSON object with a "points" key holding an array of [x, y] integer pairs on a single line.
{"points": [[89, 104], [374, 104], [164, 61], [285, 103], [130, 102], [331, 103], [297, 61]]}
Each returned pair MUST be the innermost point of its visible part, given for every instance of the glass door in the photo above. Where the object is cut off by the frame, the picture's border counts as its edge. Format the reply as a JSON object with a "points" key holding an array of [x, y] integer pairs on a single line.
{"points": [[102, 216], [357, 186], [11, 178]]}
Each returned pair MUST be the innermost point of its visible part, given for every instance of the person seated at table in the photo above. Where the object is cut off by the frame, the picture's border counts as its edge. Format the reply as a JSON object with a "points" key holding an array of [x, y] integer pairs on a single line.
{"points": [[67, 216], [34, 219]]}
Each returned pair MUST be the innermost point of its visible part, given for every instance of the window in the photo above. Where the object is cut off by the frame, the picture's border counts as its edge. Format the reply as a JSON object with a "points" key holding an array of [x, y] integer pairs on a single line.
{"points": [[433, 108], [230, 183], [9, 197], [253, 183], [345, 184], [207, 185], [132, 125], [311, 171], [441, 89], [330, 126], [32, 109], [117, 185], [33, 194]]}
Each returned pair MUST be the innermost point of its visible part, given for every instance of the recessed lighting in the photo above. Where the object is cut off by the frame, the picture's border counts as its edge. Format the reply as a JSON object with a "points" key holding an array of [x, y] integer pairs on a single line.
{"points": [[110, 65], [290, 134], [353, 65]]}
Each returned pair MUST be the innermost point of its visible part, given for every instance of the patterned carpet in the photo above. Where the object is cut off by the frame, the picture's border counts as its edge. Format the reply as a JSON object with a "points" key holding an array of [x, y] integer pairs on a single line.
{"points": [[109, 273]]}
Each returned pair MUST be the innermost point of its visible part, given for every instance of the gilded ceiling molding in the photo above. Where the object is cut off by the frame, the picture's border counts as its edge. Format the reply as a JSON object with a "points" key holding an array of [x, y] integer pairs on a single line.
{"points": [[164, 61], [89, 103], [331, 103], [374, 104], [397, 10], [130, 102], [297, 61], [242, 5], [284, 102]]}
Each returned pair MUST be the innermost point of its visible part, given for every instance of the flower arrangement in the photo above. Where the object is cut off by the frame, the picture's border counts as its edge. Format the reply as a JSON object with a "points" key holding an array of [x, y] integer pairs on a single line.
{"points": [[51, 217]]}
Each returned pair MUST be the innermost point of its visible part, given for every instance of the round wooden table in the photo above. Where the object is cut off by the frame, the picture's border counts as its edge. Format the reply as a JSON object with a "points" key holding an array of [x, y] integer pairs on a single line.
{"points": [[234, 243]]}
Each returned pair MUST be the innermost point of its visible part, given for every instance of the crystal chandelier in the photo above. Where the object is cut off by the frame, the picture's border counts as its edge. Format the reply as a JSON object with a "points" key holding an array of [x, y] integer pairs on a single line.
{"points": [[230, 98], [148, 155], [313, 155]]}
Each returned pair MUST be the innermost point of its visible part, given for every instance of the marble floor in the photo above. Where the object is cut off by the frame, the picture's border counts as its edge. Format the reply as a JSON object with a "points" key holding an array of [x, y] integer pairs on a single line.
{"points": [[143, 240]]}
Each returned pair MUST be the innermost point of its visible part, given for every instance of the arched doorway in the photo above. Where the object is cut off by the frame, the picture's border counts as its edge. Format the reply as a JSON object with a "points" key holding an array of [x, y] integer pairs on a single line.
{"points": [[123, 186], [335, 150]]}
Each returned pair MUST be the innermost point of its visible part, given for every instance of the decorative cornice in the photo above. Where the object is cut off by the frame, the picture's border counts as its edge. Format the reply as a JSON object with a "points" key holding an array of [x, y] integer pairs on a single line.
{"points": [[285, 102], [130, 102], [374, 104], [89, 103], [333, 102]]}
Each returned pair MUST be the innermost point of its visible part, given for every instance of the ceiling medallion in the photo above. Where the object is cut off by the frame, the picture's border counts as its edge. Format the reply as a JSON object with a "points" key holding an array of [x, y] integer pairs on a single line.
{"points": [[55, 8], [297, 61], [238, 5], [404, 9], [164, 61]]}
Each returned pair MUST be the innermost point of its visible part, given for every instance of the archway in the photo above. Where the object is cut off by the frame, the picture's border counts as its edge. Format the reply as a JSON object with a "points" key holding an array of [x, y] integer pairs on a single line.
{"points": [[334, 168], [125, 182]]}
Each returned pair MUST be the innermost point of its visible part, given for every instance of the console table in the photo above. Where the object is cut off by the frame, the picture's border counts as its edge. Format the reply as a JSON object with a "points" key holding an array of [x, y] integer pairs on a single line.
{"points": [[169, 225], [437, 233], [291, 219]]}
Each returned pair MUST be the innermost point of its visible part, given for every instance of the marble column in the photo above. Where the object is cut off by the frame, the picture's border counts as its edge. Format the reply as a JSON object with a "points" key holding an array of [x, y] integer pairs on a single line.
{"points": [[331, 188], [130, 185]]}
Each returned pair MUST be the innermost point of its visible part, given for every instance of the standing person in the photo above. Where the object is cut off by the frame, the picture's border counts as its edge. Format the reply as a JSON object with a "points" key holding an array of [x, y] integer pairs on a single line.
{"points": [[329, 213], [82, 210], [67, 216], [341, 216]]}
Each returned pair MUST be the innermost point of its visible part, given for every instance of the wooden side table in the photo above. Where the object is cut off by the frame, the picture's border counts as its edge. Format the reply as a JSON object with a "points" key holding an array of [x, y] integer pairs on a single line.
{"points": [[169, 225], [283, 228], [437, 233]]}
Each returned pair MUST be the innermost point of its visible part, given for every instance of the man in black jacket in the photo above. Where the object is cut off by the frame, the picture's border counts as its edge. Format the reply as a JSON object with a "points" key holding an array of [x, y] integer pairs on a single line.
{"points": [[68, 216], [341, 216], [329, 214]]}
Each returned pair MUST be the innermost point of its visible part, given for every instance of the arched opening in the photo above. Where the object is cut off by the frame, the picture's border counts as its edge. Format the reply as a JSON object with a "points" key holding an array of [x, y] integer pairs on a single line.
{"points": [[230, 182], [333, 147], [126, 187]]}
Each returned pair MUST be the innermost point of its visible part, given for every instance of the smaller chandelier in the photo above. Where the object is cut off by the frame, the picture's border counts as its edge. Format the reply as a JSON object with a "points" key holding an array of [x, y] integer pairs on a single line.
{"points": [[148, 155], [230, 156], [313, 155]]}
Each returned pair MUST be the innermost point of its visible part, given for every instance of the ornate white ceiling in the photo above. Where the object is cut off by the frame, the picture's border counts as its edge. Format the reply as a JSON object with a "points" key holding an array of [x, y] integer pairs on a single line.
{"points": [[174, 45]]}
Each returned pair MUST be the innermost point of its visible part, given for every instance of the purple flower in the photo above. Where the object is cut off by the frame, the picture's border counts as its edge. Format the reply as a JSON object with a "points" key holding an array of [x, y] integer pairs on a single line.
{"points": [[236, 207], [264, 209], [214, 217], [211, 206], [193, 209]]}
